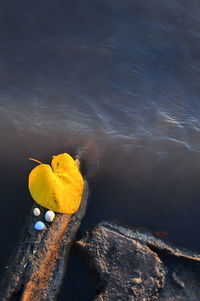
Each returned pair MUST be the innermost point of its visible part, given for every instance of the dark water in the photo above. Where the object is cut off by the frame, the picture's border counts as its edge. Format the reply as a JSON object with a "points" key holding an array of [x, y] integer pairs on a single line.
{"points": [[119, 79]]}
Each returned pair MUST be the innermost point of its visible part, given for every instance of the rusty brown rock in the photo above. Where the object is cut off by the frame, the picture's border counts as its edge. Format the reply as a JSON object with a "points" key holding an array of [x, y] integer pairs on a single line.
{"points": [[131, 264], [36, 268]]}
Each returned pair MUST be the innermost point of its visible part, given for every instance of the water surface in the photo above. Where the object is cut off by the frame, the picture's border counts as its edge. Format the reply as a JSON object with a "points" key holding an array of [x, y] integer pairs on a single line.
{"points": [[119, 79]]}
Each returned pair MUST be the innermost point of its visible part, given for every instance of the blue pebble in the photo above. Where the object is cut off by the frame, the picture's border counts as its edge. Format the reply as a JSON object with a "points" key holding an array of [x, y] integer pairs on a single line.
{"points": [[39, 226]]}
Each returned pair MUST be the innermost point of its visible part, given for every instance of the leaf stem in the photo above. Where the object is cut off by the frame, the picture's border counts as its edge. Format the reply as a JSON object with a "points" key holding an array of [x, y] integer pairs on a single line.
{"points": [[31, 159]]}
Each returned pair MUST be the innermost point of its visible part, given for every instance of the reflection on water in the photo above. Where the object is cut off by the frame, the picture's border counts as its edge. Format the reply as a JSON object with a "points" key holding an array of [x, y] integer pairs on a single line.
{"points": [[119, 80]]}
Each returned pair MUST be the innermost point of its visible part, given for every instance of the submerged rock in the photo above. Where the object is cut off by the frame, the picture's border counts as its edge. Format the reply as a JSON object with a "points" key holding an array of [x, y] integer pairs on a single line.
{"points": [[130, 264]]}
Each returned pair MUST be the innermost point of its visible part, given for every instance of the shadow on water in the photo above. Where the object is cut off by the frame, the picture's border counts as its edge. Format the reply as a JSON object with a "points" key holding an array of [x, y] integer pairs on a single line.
{"points": [[119, 80]]}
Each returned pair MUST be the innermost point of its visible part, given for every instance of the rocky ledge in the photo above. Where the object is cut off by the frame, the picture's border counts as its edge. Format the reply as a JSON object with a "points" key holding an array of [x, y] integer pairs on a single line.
{"points": [[130, 264], [37, 265]]}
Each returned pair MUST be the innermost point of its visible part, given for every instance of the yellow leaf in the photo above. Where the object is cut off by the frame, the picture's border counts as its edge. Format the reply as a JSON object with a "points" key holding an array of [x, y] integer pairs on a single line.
{"points": [[58, 187]]}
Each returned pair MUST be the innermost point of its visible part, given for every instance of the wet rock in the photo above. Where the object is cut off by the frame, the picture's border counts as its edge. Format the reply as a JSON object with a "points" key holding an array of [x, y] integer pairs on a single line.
{"points": [[130, 264], [36, 268]]}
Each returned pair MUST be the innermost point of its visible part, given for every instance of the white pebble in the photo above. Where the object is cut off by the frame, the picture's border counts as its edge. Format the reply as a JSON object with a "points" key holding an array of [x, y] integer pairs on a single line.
{"points": [[36, 211], [39, 226], [49, 216]]}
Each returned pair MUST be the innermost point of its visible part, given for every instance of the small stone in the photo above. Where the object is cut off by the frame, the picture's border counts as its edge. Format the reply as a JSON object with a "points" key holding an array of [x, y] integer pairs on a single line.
{"points": [[178, 281], [36, 211], [49, 216], [39, 226]]}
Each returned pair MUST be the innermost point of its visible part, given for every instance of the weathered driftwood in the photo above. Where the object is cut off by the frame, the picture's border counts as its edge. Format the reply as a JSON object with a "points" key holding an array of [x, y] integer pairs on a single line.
{"points": [[130, 264], [36, 268]]}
